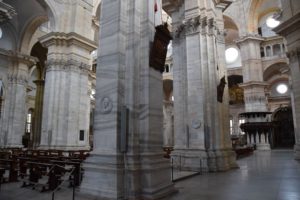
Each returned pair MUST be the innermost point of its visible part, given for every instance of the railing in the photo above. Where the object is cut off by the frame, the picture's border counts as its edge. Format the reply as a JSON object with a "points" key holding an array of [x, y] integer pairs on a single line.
{"points": [[273, 47], [185, 173], [60, 185]]}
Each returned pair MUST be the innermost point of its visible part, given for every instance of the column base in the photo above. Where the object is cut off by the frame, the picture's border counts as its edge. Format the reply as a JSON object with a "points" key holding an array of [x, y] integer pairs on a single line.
{"points": [[108, 177], [297, 151], [263, 147], [205, 161]]}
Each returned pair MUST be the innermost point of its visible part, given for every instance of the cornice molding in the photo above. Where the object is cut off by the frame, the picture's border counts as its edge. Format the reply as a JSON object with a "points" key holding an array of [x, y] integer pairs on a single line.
{"points": [[68, 39], [18, 57], [289, 26]]}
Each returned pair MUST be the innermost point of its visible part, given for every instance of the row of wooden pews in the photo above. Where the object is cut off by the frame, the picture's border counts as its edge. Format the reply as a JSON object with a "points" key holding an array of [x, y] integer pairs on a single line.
{"points": [[45, 169]]}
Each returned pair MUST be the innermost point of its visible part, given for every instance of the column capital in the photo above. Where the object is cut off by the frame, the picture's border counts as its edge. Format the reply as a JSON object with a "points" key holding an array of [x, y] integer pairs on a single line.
{"points": [[18, 57], [68, 39], [6, 12], [255, 84], [39, 82], [67, 65], [249, 38], [171, 5], [289, 26], [222, 4], [294, 53]]}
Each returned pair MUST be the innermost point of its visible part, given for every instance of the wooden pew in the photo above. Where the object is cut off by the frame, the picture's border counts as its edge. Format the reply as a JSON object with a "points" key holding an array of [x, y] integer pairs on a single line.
{"points": [[77, 173], [12, 167], [2, 171], [42, 174]]}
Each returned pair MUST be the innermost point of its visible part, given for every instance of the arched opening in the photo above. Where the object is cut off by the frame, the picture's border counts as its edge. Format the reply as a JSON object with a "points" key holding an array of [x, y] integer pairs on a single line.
{"points": [[27, 137], [37, 84], [268, 51], [232, 52], [1, 97], [277, 50], [283, 135]]}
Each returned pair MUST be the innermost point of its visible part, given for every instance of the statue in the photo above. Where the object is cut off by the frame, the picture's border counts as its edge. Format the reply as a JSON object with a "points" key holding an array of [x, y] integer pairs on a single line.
{"points": [[220, 89]]}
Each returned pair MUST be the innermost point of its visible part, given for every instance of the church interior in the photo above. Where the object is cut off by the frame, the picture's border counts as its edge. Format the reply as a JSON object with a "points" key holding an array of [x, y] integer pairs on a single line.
{"points": [[150, 99]]}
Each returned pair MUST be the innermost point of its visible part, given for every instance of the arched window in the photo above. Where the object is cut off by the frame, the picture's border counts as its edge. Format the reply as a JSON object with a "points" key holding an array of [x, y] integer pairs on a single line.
{"points": [[29, 121], [269, 52], [241, 121], [231, 125], [167, 68], [1, 98], [277, 50], [262, 52]]}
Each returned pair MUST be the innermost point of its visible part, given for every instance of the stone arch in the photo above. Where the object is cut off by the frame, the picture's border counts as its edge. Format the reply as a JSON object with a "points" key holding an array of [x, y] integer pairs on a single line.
{"points": [[275, 68], [232, 29], [97, 7], [256, 12], [33, 24], [9, 38]]}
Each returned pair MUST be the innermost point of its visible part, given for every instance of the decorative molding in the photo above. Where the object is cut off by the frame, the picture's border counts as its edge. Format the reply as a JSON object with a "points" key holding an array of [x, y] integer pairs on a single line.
{"points": [[294, 54], [68, 39], [67, 65], [20, 78], [250, 37], [6, 12], [252, 84], [18, 57], [171, 6], [222, 4], [255, 98], [196, 25]]}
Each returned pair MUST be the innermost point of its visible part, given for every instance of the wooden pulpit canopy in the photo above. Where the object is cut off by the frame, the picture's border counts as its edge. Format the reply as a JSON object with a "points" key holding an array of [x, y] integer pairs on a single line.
{"points": [[159, 48]]}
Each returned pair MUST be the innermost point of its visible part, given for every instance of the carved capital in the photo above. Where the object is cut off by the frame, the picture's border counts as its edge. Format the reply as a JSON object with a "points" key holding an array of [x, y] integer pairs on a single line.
{"points": [[294, 54], [196, 25], [6, 12], [68, 39], [67, 66]]}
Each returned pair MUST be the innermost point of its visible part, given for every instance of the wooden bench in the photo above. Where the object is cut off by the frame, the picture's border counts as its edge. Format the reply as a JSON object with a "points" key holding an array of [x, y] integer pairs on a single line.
{"points": [[11, 169]]}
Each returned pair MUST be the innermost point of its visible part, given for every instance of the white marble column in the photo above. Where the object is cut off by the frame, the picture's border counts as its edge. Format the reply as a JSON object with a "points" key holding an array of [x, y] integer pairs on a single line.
{"points": [[168, 108], [66, 109], [290, 29], [14, 110], [201, 123], [125, 80]]}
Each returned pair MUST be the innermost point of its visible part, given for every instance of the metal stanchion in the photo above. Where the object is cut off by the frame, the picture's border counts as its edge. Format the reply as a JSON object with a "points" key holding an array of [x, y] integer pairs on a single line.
{"points": [[73, 190], [172, 167]]}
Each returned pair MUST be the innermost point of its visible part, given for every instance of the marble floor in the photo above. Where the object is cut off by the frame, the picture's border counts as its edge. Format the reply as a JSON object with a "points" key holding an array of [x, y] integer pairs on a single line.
{"points": [[267, 175], [273, 175]]}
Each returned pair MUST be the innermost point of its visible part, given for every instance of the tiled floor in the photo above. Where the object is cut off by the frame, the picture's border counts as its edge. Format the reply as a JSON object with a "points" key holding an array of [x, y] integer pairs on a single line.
{"points": [[264, 176]]}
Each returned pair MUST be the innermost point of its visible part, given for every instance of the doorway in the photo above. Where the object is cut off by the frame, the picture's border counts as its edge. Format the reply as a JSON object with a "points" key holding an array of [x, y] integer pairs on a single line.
{"points": [[283, 135]]}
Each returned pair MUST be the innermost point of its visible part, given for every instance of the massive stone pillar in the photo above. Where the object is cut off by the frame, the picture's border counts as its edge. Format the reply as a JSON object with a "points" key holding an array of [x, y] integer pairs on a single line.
{"points": [[132, 168], [254, 85], [290, 29], [201, 118], [66, 109], [14, 110]]}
